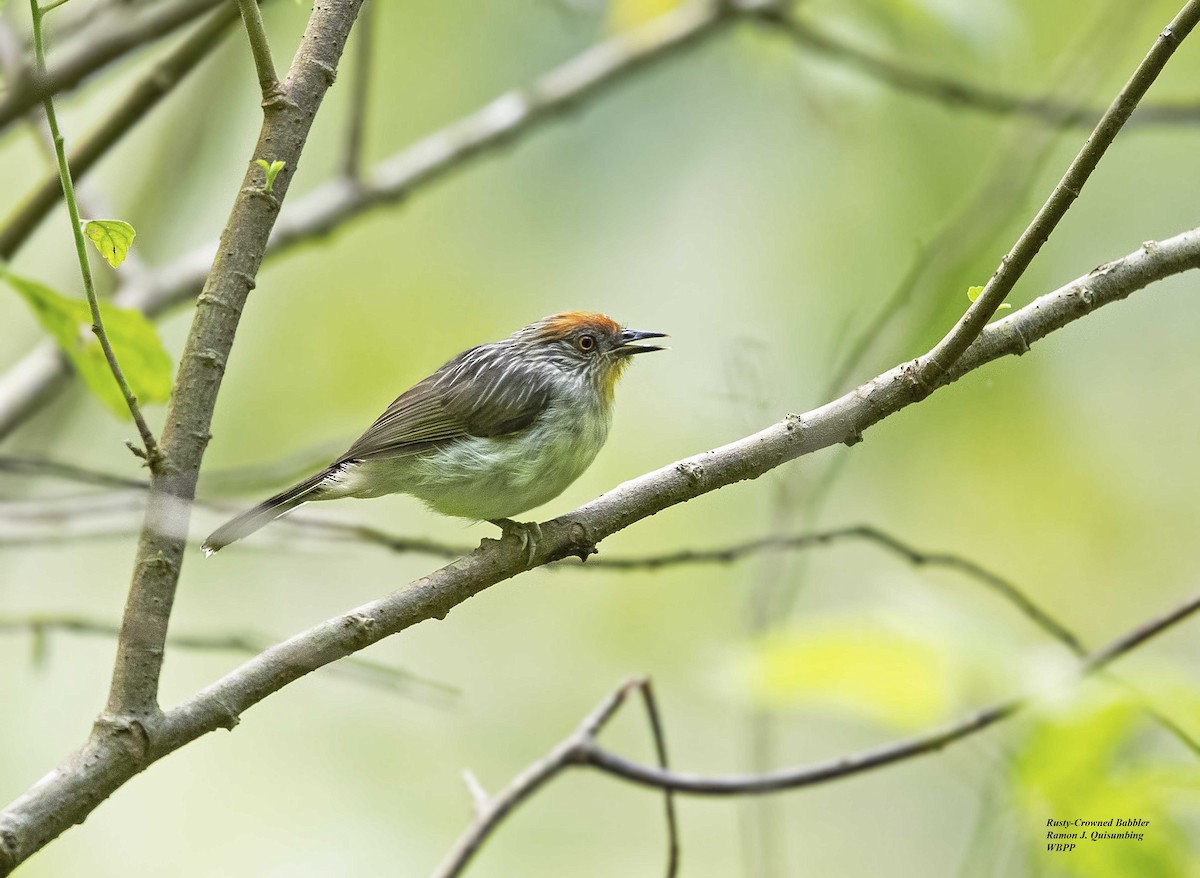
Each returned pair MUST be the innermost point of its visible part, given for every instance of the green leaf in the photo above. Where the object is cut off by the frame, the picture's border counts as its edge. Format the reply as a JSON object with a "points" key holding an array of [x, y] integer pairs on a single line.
{"points": [[143, 359], [271, 171], [973, 293], [112, 238]]}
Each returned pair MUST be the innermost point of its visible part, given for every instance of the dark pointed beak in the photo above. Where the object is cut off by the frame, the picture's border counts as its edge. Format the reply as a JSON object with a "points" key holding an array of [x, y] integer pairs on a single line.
{"points": [[627, 348]]}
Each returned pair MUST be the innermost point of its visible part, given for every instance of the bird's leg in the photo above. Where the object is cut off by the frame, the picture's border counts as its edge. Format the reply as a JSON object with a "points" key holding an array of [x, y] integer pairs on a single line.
{"points": [[528, 532]]}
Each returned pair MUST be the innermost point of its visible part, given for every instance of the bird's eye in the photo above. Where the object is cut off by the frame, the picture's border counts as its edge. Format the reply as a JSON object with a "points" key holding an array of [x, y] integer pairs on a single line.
{"points": [[586, 343]]}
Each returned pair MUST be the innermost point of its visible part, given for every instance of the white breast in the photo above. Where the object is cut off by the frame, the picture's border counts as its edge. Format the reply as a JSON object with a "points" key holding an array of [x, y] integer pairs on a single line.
{"points": [[499, 477]]}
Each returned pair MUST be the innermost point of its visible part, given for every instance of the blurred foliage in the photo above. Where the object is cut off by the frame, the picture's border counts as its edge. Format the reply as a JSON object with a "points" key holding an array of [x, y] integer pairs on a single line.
{"points": [[1094, 754]]}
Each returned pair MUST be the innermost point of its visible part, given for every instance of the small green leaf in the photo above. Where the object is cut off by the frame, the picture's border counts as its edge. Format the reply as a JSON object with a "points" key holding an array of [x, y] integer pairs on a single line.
{"points": [[143, 359], [973, 293], [112, 238], [271, 171]]}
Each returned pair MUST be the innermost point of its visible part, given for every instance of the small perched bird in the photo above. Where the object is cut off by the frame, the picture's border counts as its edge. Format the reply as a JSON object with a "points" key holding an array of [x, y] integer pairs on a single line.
{"points": [[498, 430]]}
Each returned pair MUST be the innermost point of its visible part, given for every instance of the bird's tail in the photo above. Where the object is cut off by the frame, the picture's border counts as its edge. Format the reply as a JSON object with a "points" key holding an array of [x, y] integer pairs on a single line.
{"points": [[263, 514]]}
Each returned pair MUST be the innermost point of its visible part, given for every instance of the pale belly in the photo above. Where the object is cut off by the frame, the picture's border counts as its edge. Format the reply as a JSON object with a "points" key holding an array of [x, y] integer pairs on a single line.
{"points": [[487, 478]]}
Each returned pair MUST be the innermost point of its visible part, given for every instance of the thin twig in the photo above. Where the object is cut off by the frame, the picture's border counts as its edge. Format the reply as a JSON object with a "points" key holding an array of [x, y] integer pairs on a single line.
{"points": [[933, 367], [847, 766], [359, 92], [260, 48], [724, 555], [361, 670], [581, 748], [137, 103], [958, 93], [149, 450], [490, 811], [99, 49]]}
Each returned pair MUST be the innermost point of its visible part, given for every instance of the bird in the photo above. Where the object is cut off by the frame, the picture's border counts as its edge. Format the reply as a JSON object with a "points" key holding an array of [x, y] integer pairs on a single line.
{"points": [[496, 431]]}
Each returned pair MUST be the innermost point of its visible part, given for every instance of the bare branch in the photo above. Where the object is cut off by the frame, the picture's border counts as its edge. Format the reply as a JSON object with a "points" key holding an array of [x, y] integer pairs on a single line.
{"points": [[286, 124], [846, 766], [490, 811], [360, 91], [143, 97], [957, 93], [930, 368], [581, 748], [360, 670], [98, 50]]}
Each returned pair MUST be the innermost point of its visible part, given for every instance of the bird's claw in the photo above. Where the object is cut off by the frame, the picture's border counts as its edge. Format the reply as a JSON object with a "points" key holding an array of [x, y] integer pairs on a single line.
{"points": [[528, 532]]}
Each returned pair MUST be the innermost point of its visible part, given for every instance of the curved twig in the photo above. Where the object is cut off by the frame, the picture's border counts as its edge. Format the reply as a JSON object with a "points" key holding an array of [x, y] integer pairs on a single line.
{"points": [[846, 766]]}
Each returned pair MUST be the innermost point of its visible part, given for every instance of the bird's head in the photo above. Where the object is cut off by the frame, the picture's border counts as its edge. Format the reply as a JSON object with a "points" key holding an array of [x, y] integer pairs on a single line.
{"points": [[587, 344]]}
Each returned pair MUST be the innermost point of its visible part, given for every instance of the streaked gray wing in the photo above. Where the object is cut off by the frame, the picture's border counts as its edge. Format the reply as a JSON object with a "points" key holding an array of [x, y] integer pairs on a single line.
{"points": [[481, 392]]}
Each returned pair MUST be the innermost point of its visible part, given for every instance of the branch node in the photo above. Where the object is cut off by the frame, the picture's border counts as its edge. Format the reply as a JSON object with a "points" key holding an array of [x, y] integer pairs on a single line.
{"points": [[582, 545], [245, 277], [363, 627], [1086, 297], [211, 358], [479, 796], [127, 732], [913, 374]]}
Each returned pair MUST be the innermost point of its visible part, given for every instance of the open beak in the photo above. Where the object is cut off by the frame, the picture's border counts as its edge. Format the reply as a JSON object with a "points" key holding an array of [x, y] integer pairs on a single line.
{"points": [[627, 348]]}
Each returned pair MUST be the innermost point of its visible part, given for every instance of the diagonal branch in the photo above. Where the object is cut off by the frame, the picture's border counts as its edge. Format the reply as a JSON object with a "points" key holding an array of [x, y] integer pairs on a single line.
{"points": [[141, 98], [930, 368], [956, 92], [286, 123], [97, 51]]}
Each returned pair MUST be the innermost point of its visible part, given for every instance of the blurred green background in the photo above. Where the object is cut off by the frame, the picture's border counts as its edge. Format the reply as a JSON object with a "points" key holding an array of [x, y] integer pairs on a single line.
{"points": [[761, 204]]}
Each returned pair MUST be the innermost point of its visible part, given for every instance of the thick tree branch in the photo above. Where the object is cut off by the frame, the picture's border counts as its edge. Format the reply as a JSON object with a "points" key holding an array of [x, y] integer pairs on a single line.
{"points": [[123, 736], [928, 370]]}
